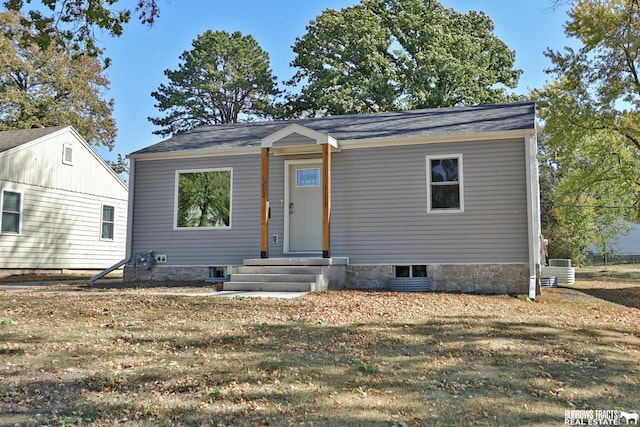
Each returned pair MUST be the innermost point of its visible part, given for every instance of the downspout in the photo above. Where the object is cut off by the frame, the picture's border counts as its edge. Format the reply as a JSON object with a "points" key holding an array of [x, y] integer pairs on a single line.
{"points": [[129, 242], [533, 212]]}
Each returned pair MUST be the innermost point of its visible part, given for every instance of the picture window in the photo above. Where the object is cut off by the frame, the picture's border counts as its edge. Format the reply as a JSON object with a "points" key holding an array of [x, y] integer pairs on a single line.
{"points": [[203, 199]]}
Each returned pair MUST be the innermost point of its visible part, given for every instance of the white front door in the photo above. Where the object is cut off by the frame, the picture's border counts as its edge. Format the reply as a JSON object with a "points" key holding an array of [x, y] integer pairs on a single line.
{"points": [[304, 206]]}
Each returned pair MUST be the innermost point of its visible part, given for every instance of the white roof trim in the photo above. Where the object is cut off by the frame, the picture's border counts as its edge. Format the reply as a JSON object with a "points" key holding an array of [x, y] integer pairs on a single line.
{"points": [[434, 139], [189, 154], [319, 137], [344, 144]]}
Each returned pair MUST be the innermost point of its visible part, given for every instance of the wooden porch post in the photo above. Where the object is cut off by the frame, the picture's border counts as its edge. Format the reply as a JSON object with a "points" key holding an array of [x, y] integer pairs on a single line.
{"points": [[264, 203], [326, 201]]}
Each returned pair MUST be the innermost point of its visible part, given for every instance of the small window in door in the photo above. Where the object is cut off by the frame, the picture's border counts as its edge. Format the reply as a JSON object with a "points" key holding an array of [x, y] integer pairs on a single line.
{"points": [[308, 177]]}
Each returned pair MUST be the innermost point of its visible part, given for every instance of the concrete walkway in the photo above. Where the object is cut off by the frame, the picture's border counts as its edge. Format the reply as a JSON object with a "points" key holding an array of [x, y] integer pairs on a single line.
{"points": [[60, 287]]}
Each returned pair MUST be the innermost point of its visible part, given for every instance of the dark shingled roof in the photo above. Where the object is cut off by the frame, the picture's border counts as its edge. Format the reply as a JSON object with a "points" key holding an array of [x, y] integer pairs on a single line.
{"points": [[14, 138], [431, 122]]}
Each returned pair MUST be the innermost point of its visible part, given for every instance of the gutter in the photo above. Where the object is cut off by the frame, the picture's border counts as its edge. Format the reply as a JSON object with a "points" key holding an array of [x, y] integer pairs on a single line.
{"points": [[129, 243]]}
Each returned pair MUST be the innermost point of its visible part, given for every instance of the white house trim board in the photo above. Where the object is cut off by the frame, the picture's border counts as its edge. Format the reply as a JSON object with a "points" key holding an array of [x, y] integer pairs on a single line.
{"points": [[319, 137], [190, 154], [533, 211], [432, 139]]}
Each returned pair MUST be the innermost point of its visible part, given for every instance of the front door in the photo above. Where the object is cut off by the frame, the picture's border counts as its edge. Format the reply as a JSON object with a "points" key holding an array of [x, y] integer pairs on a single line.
{"points": [[304, 208]]}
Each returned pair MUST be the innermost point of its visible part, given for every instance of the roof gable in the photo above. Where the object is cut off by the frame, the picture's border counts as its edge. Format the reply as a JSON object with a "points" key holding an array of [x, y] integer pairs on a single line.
{"points": [[18, 147], [296, 136]]}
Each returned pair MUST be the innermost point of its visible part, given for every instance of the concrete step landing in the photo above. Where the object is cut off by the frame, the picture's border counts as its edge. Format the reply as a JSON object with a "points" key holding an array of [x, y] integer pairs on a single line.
{"points": [[288, 275]]}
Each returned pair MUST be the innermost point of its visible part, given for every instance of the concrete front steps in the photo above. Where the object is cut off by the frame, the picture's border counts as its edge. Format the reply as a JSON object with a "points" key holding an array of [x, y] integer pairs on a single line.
{"points": [[288, 275]]}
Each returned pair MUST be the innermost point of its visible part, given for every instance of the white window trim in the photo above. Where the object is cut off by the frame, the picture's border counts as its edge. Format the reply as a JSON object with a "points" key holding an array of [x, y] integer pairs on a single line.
{"points": [[175, 199], [64, 153], [21, 210], [457, 156], [102, 221]]}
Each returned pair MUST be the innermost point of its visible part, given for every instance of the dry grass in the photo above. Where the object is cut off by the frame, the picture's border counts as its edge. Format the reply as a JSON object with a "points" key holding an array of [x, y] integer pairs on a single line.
{"points": [[612, 272], [337, 358]]}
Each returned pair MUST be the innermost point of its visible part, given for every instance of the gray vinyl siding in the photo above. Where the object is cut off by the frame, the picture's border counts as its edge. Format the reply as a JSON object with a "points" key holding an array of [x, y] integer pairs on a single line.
{"points": [[153, 213], [379, 207]]}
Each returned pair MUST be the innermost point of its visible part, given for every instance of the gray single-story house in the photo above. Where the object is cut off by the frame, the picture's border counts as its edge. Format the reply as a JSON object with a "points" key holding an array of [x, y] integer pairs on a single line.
{"points": [[447, 197]]}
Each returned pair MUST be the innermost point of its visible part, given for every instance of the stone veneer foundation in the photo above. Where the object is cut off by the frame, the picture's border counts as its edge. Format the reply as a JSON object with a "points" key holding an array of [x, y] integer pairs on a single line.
{"points": [[162, 273], [467, 278]]}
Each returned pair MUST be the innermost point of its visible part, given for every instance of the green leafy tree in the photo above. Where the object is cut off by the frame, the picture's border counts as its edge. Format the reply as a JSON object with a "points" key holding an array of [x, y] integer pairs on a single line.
{"points": [[572, 220], [381, 55], [224, 78], [51, 86], [120, 165], [591, 114], [74, 22]]}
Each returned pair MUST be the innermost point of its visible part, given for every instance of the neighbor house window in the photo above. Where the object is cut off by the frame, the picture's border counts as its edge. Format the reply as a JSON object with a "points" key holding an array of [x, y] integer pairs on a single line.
{"points": [[11, 220], [444, 183], [67, 154], [108, 221], [203, 199]]}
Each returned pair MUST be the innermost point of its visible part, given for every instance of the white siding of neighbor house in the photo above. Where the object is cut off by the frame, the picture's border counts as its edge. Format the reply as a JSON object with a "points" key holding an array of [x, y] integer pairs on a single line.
{"points": [[379, 207], [62, 206]]}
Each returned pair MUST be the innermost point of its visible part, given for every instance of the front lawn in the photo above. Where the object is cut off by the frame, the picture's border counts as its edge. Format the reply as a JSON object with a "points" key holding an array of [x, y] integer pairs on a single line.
{"points": [[330, 359]]}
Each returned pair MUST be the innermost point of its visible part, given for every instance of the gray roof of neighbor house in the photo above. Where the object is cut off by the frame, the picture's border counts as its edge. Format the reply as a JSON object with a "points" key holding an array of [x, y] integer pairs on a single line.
{"points": [[13, 138], [430, 122]]}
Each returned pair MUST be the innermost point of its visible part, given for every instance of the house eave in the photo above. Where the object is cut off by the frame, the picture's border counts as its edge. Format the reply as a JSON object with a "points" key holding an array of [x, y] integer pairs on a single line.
{"points": [[435, 139], [343, 145], [190, 154]]}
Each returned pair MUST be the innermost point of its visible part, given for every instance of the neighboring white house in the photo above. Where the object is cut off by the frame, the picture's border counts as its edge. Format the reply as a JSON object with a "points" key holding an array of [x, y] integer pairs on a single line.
{"points": [[61, 205]]}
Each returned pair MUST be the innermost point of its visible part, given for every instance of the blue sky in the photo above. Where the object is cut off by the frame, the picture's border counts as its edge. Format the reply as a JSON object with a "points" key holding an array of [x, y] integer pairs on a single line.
{"points": [[142, 53]]}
